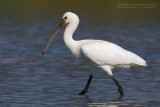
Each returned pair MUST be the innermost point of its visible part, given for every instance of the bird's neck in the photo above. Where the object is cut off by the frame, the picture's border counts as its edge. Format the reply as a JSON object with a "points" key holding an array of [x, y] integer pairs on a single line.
{"points": [[68, 39]]}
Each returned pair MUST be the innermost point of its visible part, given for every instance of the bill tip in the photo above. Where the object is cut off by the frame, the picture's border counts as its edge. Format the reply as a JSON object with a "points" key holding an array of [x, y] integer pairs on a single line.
{"points": [[43, 53]]}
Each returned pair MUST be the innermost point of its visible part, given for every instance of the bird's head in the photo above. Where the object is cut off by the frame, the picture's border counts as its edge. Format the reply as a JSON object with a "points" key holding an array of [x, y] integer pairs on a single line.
{"points": [[67, 18], [70, 17]]}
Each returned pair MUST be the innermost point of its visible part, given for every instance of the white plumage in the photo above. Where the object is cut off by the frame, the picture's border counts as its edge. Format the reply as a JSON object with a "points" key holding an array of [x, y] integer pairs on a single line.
{"points": [[97, 53]]}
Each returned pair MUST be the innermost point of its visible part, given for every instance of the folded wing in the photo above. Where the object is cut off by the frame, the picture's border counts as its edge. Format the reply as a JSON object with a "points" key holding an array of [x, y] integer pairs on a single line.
{"points": [[106, 53]]}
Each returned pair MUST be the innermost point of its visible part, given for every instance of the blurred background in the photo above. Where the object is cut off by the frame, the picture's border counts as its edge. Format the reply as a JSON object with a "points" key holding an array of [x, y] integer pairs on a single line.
{"points": [[29, 79]]}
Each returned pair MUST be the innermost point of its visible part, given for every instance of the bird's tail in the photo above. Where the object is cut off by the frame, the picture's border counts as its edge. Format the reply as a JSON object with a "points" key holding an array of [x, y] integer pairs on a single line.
{"points": [[141, 62]]}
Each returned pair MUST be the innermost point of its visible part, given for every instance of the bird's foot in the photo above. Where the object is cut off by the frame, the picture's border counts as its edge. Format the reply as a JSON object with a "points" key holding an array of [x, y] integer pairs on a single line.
{"points": [[83, 92]]}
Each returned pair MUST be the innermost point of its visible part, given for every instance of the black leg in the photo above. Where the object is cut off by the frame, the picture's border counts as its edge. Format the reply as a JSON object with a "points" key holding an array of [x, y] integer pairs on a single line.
{"points": [[87, 86], [118, 85]]}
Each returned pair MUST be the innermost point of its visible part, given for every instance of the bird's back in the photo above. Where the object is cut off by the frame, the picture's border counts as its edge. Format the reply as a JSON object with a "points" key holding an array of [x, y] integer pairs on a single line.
{"points": [[106, 53]]}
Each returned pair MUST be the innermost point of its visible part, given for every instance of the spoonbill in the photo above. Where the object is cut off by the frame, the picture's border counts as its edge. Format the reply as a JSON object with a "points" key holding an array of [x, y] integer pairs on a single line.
{"points": [[98, 54]]}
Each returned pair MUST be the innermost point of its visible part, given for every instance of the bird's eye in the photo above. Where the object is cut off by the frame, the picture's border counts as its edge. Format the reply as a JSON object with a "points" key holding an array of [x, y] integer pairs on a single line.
{"points": [[65, 17]]}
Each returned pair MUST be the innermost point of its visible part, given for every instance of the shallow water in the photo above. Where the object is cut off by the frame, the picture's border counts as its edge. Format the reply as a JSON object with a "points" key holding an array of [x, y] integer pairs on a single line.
{"points": [[55, 79]]}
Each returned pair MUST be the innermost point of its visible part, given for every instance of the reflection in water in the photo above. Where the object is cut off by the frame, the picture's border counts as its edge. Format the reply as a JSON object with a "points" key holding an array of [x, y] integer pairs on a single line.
{"points": [[115, 103], [88, 99]]}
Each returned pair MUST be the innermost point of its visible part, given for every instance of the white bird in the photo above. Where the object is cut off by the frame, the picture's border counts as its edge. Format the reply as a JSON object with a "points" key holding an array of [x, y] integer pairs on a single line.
{"points": [[98, 54]]}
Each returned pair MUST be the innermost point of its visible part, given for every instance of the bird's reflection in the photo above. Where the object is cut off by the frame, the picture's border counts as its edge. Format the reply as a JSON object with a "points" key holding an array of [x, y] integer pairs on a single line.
{"points": [[119, 98], [88, 99], [114, 102]]}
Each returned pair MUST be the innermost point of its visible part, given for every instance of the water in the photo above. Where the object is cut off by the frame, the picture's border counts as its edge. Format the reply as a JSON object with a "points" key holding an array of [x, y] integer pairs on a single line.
{"points": [[29, 79]]}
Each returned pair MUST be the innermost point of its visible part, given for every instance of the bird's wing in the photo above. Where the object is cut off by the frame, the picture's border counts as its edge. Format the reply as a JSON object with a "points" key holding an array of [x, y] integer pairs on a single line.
{"points": [[106, 53]]}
